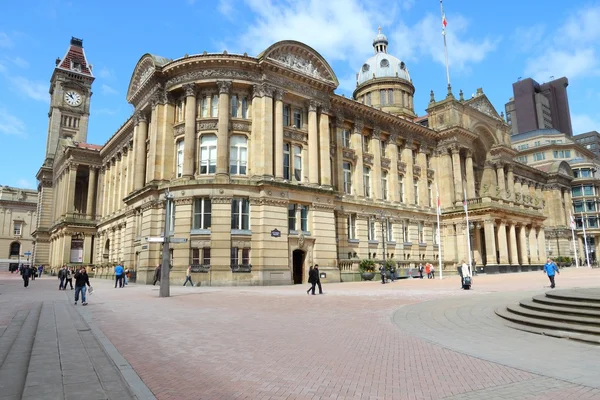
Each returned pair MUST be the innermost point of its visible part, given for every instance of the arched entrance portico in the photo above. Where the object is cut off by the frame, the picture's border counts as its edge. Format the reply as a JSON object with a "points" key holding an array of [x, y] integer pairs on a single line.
{"points": [[298, 257]]}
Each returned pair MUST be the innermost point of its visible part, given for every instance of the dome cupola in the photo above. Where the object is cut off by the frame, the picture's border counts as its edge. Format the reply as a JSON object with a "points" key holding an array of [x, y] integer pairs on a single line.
{"points": [[380, 42]]}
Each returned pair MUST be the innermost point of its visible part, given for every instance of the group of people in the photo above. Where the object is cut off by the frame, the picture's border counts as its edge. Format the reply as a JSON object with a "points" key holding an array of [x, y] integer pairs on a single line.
{"points": [[429, 269], [82, 281], [29, 272], [314, 278], [122, 275]]}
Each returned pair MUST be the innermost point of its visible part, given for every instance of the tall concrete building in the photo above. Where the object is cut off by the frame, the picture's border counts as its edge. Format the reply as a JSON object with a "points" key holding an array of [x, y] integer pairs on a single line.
{"points": [[534, 106], [272, 172], [589, 140]]}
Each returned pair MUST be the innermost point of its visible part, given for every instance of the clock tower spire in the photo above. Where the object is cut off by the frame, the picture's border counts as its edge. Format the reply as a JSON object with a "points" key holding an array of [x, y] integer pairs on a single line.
{"points": [[70, 94]]}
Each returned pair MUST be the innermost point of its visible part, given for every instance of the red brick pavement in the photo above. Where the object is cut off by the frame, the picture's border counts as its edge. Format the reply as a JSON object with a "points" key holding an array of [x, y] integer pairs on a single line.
{"points": [[278, 343]]}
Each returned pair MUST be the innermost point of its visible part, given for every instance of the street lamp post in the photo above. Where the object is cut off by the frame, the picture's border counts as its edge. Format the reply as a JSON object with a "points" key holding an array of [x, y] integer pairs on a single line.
{"points": [[381, 215], [164, 271]]}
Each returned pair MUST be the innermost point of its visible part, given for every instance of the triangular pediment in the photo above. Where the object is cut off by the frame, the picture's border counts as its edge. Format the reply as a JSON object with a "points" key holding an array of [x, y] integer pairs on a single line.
{"points": [[482, 104], [300, 58]]}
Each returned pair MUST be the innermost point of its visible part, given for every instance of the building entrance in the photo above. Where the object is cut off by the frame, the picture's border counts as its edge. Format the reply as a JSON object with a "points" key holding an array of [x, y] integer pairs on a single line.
{"points": [[298, 266]]}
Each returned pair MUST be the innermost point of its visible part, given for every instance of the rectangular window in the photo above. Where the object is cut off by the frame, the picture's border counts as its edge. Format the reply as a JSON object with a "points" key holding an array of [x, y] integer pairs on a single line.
{"points": [[234, 106], [369, 99], [416, 189], [291, 217], [372, 231], [234, 256], [208, 154], [351, 226], [592, 223], [17, 228], [382, 97], [286, 161], [384, 186], [206, 256], [429, 194], [366, 141], [298, 118], [195, 256], [590, 205], [585, 173], [401, 188], [298, 163], [286, 115], [522, 159], [346, 138], [240, 214], [204, 106], [238, 155], [390, 96], [389, 231], [588, 190], [245, 107], [405, 237], [202, 213], [567, 153], [537, 143], [214, 103], [383, 145], [367, 181], [347, 177], [304, 218], [180, 158], [576, 191], [539, 156], [179, 111], [245, 256]]}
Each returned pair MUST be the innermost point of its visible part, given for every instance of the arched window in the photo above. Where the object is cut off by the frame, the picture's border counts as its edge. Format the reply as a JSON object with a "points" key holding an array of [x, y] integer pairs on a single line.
{"points": [[208, 154], [238, 155], [15, 249]]}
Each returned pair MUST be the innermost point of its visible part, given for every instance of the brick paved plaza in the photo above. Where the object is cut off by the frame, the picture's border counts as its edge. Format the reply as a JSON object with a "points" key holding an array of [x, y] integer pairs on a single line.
{"points": [[411, 339]]}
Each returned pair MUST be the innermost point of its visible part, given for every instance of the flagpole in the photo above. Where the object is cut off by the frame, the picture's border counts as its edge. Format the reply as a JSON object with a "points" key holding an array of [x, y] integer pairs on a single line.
{"points": [[439, 240], [445, 45], [574, 242], [468, 229]]}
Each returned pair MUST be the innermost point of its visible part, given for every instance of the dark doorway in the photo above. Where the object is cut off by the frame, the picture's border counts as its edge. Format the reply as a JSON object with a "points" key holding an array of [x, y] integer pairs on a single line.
{"points": [[298, 265]]}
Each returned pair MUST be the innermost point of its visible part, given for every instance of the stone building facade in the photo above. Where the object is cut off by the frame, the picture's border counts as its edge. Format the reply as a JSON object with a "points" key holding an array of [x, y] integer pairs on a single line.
{"points": [[272, 172], [18, 220]]}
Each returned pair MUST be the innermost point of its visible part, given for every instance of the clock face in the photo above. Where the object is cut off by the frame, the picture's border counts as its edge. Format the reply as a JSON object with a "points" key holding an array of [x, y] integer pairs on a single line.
{"points": [[73, 98]]}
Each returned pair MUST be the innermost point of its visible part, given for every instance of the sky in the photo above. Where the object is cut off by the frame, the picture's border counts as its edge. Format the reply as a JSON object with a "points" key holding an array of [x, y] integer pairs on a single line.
{"points": [[490, 45]]}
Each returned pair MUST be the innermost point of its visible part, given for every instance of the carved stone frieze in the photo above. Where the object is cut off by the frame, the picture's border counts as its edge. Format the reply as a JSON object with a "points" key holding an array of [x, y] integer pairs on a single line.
{"points": [[376, 133], [401, 167], [189, 89], [368, 158], [179, 130], [349, 154], [224, 87], [297, 63], [385, 163], [295, 135], [358, 126], [182, 201], [221, 200], [212, 73], [241, 126], [206, 126], [416, 170], [303, 89]]}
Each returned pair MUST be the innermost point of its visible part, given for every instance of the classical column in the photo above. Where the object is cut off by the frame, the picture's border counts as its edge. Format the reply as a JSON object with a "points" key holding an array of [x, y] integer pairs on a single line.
{"points": [[407, 157], [100, 193], [445, 179], [392, 152], [118, 179], [470, 175], [313, 143], [502, 242], [517, 190], [511, 182], [279, 134], [477, 244], [490, 242], [339, 152], [376, 169], [71, 188], [140, 151], [358, 166], [533, 247], [423, 182], [523, 245], [458, 195], [568, 203], [512, 238], [189, 139], [324, 152], [223, 131], [542, 244], [501, 180], [89, 211], [256, 164]]}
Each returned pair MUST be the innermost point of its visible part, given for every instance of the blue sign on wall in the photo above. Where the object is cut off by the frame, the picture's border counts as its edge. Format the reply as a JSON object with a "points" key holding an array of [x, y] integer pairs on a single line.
{"points": [[275, 233]]}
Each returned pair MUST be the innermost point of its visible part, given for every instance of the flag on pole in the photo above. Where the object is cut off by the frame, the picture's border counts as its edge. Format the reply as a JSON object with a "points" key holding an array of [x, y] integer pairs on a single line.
{"points": [[572, 221], [439, 205], [444, 21]]}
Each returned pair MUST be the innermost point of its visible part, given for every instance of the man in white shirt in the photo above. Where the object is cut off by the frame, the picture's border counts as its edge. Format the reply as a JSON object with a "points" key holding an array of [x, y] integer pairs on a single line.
{"points": [[465, 270]]}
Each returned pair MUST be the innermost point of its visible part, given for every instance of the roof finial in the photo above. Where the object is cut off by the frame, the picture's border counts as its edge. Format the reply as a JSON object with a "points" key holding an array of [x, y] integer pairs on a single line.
{"points": [[379, 29]]}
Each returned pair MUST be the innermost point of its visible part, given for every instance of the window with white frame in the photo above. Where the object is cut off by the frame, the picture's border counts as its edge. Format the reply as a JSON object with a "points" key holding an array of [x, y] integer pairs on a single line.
{"points": [[291, 217], [401, 188], [286, 161], [202, 213], [240, 214], [430, 194], [179, 111], [286, 115], [304, 218], [347, 167], [297, 163], [298, 118], [405, 236], [522, 159], [351, 221], [389, 230], [346, 138], [234, 106], [214, 106], [238, 155], [18, 228], [180, 158], [539, 156], [416, 190], [208, 154], [245, 107], [384, 185], [367, 181], [204, 107], [372, 231]]}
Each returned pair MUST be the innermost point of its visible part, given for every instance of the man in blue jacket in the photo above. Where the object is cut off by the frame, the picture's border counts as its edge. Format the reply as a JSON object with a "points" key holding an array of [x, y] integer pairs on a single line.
{"points": [[119, 273], [550, 268]]}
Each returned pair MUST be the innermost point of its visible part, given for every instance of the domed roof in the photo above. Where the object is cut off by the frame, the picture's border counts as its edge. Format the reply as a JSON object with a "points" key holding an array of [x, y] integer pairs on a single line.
{"points": [[382, 65]]}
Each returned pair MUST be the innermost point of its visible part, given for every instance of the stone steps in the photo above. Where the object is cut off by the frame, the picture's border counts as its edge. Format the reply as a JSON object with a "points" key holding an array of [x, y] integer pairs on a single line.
{"points": [[572, 314]]}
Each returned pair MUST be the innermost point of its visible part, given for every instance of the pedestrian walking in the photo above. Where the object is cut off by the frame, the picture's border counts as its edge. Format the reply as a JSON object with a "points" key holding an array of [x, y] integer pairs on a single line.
{"points": [[312, 280], [25, 274], [551, 269], [318, 276], [69, 278], [62, 275], [40, 271], [464, 271], [81, 280], [188, 276], [156, 275], [126, 276], [428, 270], [432, 271], [421, 268], [32, 272], [119, 273], [382, 272]]}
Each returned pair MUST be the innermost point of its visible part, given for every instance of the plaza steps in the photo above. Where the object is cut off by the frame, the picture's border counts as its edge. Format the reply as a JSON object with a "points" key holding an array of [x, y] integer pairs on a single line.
{"points": [[571, 314]]}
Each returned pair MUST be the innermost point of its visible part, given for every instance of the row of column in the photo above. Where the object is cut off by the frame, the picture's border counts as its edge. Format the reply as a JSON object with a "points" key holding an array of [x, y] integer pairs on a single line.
{"points": [[508, 248], [117, 244], [64, 201], [451, 171], [116, 181]]}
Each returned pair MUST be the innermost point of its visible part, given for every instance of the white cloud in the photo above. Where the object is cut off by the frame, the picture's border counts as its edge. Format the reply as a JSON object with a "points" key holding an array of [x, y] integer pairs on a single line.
{"points": [[105, 73], [528, 38], [28, 88], [25, 184], [5, 41], [108, 90], [20, 62], [11, 125], [584, 123], [573, 64], [226, 8]]}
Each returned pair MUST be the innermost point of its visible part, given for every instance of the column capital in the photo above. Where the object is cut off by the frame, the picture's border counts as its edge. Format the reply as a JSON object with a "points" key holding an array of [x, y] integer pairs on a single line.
{"points": [[469, 153], [510, 167], [339, 119], [279, 93], [189, 89], [358, 126], [376, 133], [325, 108], [455, 149], [139, 116], [392, 138], [312, 106], [257, 91], [224, 87], [73, 166]]}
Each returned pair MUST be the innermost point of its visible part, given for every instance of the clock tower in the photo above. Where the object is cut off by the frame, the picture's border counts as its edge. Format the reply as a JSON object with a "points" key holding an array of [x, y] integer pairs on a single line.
{"points": [[70, 94]]}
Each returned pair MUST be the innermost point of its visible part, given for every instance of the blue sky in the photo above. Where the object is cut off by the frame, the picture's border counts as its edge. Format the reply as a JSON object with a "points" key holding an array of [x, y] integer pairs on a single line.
{"points": [[490, 44]]}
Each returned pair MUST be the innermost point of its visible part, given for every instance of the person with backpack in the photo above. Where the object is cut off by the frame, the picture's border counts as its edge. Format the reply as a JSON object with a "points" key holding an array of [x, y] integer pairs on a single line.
{"points": [[551, 269]]}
